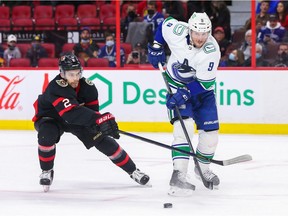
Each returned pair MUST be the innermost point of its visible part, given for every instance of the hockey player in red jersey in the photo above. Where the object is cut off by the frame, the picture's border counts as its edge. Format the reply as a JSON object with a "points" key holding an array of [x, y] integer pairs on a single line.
{"points": [[70, 104]]}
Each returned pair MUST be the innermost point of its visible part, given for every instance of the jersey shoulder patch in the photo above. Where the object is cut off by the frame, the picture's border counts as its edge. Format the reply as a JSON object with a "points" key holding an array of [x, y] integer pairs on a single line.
{"points": [[62, 83], [89, 82], [209, 47]]}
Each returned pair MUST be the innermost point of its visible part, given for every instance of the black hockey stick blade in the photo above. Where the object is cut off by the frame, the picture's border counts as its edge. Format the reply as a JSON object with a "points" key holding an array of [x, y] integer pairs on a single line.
{"points": [[239, 159]]}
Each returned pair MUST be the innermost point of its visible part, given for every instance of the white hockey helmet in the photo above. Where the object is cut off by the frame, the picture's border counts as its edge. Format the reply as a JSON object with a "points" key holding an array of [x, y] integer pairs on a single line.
{"points": [[200, 22]]}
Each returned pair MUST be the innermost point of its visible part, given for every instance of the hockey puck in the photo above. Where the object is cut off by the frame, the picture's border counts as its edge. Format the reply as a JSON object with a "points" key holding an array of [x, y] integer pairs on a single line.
{"points": [[168, 205]]}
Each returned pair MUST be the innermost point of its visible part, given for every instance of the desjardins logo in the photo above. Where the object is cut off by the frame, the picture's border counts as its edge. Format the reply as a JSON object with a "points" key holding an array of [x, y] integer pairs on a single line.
{"points": [[109, 89], [132, 94]]}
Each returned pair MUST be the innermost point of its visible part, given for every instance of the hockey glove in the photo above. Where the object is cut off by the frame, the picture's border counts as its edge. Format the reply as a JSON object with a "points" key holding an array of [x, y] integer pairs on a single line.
{"points": [[156, 55], [107, 125], [179, 98]]}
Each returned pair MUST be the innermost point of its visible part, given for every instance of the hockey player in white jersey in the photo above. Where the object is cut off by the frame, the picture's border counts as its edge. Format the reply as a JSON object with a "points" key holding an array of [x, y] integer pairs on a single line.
{"points": [[191, 73]]}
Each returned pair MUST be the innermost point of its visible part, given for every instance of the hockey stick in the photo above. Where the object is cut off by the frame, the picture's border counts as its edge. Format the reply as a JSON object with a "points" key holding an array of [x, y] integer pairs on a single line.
{"points": [[235, 160], [207, 184]]}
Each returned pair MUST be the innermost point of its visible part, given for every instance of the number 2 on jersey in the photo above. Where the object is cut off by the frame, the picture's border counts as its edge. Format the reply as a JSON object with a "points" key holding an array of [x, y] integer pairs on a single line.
{"points": [[66, 103]]}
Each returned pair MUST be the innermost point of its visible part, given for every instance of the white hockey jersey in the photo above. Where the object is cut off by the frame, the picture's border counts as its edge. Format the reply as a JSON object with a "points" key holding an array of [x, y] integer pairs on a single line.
{"points": [[185, 59]]}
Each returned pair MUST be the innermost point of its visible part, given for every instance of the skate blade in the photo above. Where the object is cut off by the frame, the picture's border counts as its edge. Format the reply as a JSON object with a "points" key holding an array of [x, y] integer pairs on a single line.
{"points": [[148, 184], [179, 192], [46, 188]]}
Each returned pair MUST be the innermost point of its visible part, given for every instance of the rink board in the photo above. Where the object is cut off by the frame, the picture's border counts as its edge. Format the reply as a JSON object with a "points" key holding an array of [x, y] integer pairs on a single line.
{"points": [[248, 101]]}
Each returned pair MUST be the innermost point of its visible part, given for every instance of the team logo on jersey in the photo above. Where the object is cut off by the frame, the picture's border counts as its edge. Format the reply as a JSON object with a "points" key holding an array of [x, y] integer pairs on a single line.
{"points": [[209, 47], [89, 82], [62, 83], [179, 29], [183, 71]]}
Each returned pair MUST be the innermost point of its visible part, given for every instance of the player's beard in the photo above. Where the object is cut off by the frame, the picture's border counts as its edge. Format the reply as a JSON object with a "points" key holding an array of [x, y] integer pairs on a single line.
{"points": [[199, 43], [74, 84]]}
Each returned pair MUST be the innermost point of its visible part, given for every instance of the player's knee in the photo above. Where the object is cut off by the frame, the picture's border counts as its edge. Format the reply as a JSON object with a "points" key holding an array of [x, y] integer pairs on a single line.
{"points": [[49, 135], [209, 138], [178, 132], [107, 146]]}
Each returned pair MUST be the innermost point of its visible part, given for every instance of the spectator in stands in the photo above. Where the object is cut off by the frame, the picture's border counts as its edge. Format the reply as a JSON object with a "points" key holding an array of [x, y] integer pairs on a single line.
{"points": [[1, 51], [153, 16], [131, 17], [282, 57], [138, 55], [142, 7], [271, 9], [260, 61], [219, 35], [109, 51], [36, 51], [200, 7], [174, 9], [273, 32], [263, 15], [282, 14], [246, 45], [222, 17], [12, 51], [1, 56], [87, 48], [235, 59]]}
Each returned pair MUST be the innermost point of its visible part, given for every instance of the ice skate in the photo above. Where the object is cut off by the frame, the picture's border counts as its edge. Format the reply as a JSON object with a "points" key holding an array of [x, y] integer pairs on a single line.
{"points": [[209, 176], [179, 186], [46, 179], [140, 177]]}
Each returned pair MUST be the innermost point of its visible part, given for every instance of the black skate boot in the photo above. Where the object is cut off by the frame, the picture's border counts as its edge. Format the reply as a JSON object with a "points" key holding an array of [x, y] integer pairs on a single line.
{"points": [[46, 179], [140, 177]]}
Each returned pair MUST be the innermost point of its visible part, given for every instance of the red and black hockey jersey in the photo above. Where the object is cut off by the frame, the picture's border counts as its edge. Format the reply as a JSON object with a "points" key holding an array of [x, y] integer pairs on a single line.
{"points": [[60, 101]]}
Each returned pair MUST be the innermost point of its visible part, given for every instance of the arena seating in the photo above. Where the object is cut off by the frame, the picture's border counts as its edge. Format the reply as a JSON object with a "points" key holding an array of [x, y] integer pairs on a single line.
{"points": [[97, 62], [48, 62], [20, 62]]}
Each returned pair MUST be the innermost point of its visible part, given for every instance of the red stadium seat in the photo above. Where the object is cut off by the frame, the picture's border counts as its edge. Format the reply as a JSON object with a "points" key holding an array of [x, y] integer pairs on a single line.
{"points": [[109, 23], [83, 64], [86, 10], [107, 10], [25, 24], [42, 24], [4, 12], [92, 22], [23, 47], [68, 47], [97, 62], [43, 11], [48, 62], [21, 11], [20, 62], [64, 11], [127, 48], [68, 23], [5, 25], [50, 49]]}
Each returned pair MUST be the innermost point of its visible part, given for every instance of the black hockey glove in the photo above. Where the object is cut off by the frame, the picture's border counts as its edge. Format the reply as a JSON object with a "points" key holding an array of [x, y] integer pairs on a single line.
{"points": [[107, 125]]}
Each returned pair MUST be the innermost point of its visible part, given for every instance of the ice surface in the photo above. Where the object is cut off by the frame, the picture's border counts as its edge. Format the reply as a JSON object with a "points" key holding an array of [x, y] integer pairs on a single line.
{"points": [[86, 183]]}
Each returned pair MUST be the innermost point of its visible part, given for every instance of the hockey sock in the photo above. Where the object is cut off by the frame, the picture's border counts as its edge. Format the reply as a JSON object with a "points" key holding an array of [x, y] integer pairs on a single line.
{"points": [[46, 156]]}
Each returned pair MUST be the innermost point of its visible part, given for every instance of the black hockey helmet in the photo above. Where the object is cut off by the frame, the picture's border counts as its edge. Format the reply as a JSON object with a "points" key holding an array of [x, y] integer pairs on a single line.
{"points": [[69, 61]]}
